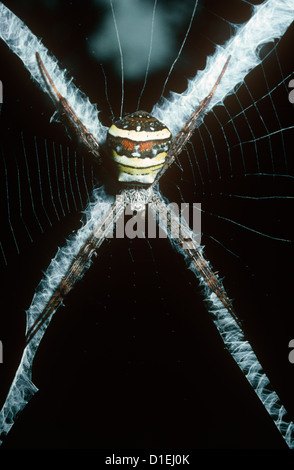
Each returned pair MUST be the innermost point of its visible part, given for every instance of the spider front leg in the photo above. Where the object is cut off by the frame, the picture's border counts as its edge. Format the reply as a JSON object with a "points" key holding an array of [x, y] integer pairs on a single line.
{"points": [[67, 112], [185, 134]]}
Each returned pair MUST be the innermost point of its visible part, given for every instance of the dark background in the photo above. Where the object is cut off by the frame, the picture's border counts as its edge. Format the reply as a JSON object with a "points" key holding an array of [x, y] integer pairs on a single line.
{"points": [[133, 360]]}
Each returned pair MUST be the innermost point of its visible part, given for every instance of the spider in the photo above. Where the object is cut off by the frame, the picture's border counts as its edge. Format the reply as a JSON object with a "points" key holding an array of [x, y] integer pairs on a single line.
{"points": [[142, 149], [138, 150]]}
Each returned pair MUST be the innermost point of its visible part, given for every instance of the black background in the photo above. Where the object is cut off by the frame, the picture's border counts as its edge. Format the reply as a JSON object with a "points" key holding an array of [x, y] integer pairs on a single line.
{"points": [[133, 360]]}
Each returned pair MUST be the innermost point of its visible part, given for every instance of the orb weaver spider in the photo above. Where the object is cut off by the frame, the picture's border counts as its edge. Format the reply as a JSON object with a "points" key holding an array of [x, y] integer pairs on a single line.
{"points": [[133, 141], [152, 142]]}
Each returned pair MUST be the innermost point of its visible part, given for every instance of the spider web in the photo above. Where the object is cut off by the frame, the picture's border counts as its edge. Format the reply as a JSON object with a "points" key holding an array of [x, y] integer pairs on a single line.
{"points": [[144, 348]]}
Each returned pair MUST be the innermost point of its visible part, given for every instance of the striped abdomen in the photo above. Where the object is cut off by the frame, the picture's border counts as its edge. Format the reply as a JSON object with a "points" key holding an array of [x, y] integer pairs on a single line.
{"points": [[139, 144]]}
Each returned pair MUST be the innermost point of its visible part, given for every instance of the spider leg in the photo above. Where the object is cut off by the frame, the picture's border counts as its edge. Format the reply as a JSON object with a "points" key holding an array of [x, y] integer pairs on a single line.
{"points": [[225, 319], [184, 135], [22, 389], [185, 239], [78, 266], [67, 112]]}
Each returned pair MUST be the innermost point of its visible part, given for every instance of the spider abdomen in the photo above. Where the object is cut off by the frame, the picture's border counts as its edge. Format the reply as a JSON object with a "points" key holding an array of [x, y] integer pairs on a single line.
{"points": [[139, 144]]}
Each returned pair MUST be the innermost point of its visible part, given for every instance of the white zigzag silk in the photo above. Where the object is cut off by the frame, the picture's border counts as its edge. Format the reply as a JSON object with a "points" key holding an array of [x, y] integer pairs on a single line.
{"points": [[238, 346], [22, 389], [269, 21], [25, 45]]}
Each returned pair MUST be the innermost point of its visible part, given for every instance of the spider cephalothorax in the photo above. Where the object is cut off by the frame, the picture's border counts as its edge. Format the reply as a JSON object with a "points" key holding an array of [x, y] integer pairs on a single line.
{"points": [[139, 144]]}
